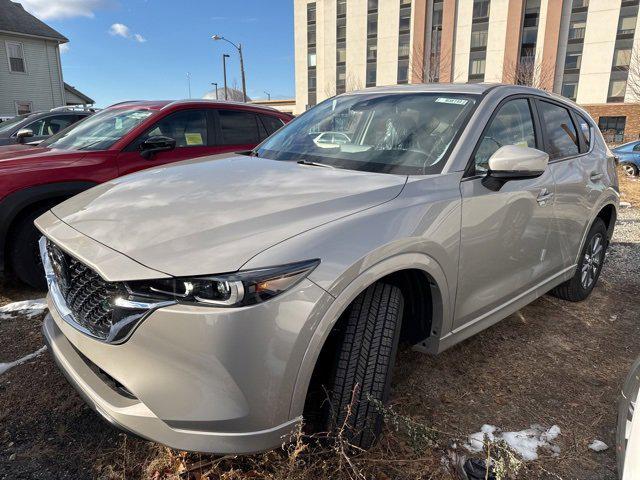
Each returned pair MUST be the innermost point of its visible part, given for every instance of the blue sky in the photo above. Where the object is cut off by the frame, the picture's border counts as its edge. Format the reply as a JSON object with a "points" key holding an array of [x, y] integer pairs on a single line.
{"points": [[143, 49]]}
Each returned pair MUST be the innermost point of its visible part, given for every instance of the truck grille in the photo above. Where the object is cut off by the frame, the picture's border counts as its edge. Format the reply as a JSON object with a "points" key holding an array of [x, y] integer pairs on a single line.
{"points": [[87, 295]]}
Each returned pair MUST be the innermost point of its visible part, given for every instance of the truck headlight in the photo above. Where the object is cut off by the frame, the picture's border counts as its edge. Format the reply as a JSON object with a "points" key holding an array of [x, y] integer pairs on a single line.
{"points": [[227, 290]]}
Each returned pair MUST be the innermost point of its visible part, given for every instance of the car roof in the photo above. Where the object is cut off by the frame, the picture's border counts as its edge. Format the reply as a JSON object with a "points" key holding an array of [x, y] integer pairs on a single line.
{"points": [[164, 104]]}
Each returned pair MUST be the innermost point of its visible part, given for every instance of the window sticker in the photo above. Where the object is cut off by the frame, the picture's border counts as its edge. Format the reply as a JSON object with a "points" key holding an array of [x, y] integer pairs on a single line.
{"points": [[193, 139], [451, 101]]}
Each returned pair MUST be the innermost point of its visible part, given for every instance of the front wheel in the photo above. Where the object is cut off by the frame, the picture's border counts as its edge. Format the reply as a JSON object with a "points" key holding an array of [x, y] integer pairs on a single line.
{"points": [[589, 266], [365, 357], [24, 253], [629, 169]]}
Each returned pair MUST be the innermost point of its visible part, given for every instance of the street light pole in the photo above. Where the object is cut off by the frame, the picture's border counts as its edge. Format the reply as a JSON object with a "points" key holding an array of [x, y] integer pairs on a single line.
{"points": [[216, 85], [189, 82], [239, 48], [268, 95], [224, 72]]}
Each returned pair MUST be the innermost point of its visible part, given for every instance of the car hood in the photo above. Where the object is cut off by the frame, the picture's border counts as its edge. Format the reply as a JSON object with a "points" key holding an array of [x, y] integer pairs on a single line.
{"points": [[212, 215], [20, 151]]}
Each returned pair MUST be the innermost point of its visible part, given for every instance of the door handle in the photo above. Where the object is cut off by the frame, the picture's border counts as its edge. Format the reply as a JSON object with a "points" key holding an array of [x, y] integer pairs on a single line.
{"points": [[544, 196], [595, 176]]}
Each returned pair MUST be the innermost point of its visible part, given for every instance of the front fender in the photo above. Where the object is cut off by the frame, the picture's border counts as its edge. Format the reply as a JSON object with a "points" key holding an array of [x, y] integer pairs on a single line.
{"points": [[441, 322]]}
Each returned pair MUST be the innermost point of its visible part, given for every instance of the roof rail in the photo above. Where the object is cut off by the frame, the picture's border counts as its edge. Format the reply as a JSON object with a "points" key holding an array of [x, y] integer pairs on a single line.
{"points": [[123, 102], [72, 108]]}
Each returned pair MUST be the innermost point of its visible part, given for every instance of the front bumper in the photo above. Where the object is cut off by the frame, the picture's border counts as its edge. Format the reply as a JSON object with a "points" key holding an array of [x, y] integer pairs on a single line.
{"points": [[628, 429], [197, 378]]}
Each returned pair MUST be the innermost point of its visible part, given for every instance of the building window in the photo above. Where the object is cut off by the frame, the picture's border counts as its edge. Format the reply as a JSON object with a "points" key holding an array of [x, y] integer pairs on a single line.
{"points": [[622, 58], [404, 41], [341, 8], [372, 24], [570, 90], [481, 9], [23, 107], [617, 89], [372, 42], [479, 36], [311, 55], [403, 71], [612, 128], [477, 67], [15, 54], [372, 50], [576, 29], [433, 66], [341, 31], [579, 4], [627, 20], [341, 79], [341, 53], [573, 61], [371, 74]]}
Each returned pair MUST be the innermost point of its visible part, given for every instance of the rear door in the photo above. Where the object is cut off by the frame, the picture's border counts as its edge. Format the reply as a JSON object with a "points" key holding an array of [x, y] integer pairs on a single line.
{"points": [[577, 172], [193, 131], [504, 250]]}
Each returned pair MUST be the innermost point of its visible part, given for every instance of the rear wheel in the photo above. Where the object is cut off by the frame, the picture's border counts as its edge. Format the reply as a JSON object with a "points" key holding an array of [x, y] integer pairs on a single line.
{"points": [[629, 168], [24, 255], [589, 267], [365, 356]]}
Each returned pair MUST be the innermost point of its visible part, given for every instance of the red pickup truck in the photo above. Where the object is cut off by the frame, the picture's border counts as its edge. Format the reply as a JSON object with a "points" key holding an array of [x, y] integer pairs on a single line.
{"points": [[121, 139]]}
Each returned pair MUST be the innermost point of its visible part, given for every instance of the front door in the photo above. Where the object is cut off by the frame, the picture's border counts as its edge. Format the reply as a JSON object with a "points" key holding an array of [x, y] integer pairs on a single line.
{"points": [[504, 234]]}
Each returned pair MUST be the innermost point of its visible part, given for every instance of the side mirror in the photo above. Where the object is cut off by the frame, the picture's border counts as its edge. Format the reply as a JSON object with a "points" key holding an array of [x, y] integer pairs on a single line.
{"points": [[158, 143], [24, 133], [513, 162]]}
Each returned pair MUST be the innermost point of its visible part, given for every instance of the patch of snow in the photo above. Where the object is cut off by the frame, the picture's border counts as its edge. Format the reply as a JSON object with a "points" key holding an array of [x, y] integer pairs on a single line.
{"points": [[625, 205], [525, 442], [598, 446], [4, 367], [30, 308]]}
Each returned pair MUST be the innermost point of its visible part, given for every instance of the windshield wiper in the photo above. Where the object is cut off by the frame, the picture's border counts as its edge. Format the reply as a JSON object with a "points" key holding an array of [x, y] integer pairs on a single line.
{"points": [[314, 164]]}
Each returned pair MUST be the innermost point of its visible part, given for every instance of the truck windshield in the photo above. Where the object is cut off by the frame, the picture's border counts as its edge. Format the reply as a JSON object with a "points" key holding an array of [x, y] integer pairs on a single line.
{"points": [[402, 133], [99, 131]]}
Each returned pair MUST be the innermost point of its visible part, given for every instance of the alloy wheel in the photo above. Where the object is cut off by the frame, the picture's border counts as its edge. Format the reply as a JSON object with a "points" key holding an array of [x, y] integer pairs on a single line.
{"points": [[592, 261], [629, 170]]}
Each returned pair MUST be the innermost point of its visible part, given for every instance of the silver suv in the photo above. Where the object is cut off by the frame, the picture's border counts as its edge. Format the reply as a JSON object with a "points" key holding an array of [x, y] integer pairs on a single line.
{"points": [[213, 304]]}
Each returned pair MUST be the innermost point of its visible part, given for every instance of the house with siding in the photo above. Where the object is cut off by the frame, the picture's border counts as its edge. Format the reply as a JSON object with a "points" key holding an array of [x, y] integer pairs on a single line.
{"points": [[30, 68]]}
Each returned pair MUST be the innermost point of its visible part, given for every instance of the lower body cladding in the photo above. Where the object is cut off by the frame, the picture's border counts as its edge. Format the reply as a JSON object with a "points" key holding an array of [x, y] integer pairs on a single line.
{"points": [[217, 380]]}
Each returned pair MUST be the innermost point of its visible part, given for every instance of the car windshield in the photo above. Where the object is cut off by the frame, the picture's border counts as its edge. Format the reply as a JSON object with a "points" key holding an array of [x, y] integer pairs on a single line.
{"points": [[99, 131], [7, 125], [402, 133]]}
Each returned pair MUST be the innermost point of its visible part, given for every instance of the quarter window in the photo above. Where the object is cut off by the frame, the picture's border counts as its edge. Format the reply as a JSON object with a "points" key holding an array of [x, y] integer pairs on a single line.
{"points": [[585, 130], [237, 127], [561, 134], [15, 53], [188, 128], [512, 125], [51, 125]]}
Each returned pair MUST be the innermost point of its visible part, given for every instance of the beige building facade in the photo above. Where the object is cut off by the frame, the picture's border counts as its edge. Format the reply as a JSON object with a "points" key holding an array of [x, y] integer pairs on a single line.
{"points": [[582, 49]]}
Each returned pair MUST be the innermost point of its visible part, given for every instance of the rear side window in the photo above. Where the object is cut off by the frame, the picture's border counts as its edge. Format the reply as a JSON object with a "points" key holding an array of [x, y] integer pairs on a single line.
{"points": [[271, 123], [636, 147], [238, 127], [512, 125], [560, 132], [585, 130], [187, 127]]}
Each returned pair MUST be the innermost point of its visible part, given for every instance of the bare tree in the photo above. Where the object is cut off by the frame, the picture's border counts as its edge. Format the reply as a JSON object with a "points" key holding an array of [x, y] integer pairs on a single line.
{"points": [[633, 77], [528, 71], [427, 70]]}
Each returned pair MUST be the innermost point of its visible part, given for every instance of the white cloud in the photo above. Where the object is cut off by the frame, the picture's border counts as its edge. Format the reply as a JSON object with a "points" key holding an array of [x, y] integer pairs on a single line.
{"points": [[64, 47], [51, 10], [121, 30]]}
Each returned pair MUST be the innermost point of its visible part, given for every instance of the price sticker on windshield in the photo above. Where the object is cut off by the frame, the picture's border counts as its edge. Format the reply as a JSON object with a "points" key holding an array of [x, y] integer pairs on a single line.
{"points": [[452, 101]]}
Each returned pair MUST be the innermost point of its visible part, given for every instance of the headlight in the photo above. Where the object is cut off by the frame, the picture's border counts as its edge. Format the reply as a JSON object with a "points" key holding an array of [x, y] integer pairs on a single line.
{"points": [[229, 290]]}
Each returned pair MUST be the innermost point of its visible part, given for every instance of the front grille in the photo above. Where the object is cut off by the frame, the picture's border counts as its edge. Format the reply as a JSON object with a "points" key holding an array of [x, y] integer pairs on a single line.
{"points": [[89, 298]]}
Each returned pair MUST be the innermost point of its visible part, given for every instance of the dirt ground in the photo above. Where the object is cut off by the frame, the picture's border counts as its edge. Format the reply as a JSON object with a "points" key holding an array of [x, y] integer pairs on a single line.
{"points": [[552, 363]]}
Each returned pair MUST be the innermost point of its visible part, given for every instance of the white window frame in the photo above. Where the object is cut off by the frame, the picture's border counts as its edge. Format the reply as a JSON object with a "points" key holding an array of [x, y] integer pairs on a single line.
{"points": [[24, 57], [26, 102]]}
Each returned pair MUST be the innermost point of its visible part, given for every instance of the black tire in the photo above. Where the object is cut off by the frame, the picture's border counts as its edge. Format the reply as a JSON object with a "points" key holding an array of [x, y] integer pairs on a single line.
{"points": [[24, 256], [575, 289], [629, 169], [365, 357]]}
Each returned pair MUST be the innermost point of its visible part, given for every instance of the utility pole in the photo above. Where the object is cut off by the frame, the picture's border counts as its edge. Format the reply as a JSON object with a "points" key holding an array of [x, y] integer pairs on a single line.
{"points": [[189, 83], [216, 85], [224, 72], [268, 95]]}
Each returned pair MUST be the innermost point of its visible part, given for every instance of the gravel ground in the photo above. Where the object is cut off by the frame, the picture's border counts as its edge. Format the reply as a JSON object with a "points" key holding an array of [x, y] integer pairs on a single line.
{"points": [[551, 363]]}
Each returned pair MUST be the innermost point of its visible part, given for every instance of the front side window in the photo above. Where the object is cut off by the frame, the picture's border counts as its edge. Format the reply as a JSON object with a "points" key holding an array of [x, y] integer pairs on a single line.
{"points": [[403, 133], [560, 132], [51, 125], [187, 127], [100, 131], [15, 54], [238, 127], [512, 125]]}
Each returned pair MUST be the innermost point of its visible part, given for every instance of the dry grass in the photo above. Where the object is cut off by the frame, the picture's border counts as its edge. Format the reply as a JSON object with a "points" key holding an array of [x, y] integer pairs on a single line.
{"points": [[630, 189]]}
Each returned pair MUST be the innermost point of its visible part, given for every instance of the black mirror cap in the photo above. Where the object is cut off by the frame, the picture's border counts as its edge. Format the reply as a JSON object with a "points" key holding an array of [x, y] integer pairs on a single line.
{"points": [[155, 144], [495, 179]]}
